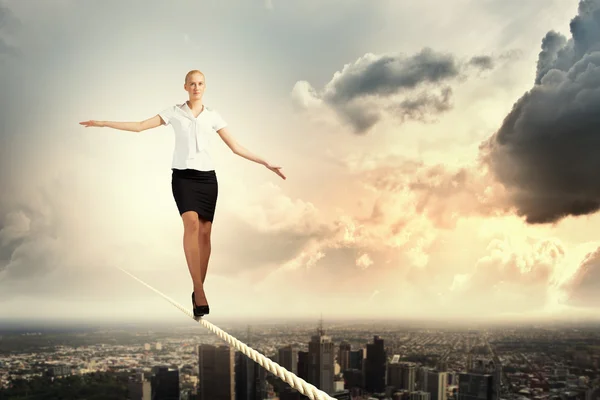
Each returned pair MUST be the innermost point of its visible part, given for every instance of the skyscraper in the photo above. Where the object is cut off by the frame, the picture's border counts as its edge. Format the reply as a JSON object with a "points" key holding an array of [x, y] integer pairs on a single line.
{"points": [[356, 359], [402, 375], [321, 365], [250, 377], [245, 383], [493, 368], [139, 388], [473, 386], [394, 374], [344, 356], [422, 374], [375, 366], [303, 365], [165, 383], [216, 372], [409, 374], [288, 358], [436, 384]]}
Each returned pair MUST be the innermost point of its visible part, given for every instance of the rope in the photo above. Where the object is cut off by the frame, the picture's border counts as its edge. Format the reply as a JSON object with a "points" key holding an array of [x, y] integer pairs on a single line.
{"points": [[291, 379]]}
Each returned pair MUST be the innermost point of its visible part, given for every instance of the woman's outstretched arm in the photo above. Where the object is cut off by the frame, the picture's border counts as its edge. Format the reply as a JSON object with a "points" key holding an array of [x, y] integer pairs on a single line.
{"points": [[139, 126], [241, 151]]}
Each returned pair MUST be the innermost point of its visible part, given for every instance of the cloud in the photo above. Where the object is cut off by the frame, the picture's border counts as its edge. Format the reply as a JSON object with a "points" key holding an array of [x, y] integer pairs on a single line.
{"points": [[440, 193], [270, 230], [51, 244], [403, 208], [364, 261], [483, 62], [405, 87], [403, 204], [545, 152], [583, 288], [513, 276]]}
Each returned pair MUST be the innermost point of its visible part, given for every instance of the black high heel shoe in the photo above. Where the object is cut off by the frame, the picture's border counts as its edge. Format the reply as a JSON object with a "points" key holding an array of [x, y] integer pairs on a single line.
{"points": [[199, 311]]}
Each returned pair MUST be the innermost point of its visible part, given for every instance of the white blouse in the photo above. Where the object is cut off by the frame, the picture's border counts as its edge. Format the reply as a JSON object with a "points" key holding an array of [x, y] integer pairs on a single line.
{"points": [[192, 136]]}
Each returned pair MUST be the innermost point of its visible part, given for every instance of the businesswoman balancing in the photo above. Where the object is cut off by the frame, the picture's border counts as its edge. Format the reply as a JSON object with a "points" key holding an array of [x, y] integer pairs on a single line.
{"points": [[193, 180]]}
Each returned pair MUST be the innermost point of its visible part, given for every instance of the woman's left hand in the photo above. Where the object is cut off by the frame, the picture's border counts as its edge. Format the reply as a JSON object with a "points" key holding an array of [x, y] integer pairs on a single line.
{"points": [[276, 169]]}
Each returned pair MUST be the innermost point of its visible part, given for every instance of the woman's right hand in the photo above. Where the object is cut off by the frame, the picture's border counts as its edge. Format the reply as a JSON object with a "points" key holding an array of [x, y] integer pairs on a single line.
{"points": [[90, 123]]}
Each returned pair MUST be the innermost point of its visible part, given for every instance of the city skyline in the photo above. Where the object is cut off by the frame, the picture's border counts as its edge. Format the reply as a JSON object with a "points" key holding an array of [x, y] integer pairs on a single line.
{"points": [[440, 167], [433, 364]]}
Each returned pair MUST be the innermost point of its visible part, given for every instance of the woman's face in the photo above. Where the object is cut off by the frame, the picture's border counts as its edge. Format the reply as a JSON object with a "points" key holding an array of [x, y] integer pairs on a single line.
{"points": [[195, 86]]}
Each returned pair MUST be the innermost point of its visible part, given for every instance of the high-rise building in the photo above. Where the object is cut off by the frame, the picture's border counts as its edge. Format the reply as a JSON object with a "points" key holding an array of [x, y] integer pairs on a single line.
{"points": [[493, 368], [394, 375], [344, 356], [303, 365], [260, 377], [356, 359], [139, 388], [353, 379], [165, 383], [422, 374], [401, 375], [436, 385], [375, 366], [245, 380], [288, 358], [473, 386], [250, 377], [321, 363], [409, 374], [216, 373]]}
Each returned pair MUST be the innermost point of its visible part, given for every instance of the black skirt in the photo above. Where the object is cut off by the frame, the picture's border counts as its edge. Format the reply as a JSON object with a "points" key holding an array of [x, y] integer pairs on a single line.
{"points": [[195, 190]]}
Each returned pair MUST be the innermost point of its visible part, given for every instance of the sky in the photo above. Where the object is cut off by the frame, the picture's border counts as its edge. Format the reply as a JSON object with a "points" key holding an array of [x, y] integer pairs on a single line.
{"points": [[440, 158]]}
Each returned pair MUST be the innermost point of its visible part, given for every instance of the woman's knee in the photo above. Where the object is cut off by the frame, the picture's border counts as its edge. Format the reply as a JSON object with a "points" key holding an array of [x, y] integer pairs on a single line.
{"points": [[191, 222], [205, 228]]}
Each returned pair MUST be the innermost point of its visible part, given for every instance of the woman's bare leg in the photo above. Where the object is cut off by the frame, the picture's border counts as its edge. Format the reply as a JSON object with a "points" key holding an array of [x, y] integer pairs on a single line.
{"points": [[204, 246], [191, 248]]}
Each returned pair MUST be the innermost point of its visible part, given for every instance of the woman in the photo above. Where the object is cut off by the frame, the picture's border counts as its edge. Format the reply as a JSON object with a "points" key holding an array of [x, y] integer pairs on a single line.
{"points": [[193, 181]]}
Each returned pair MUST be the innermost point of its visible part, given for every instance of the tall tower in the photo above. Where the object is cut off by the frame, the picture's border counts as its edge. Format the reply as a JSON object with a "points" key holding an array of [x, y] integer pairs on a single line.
{"points": [[436, 384], [288, 358], [472, 386], [409, 373], [165, 383], [375, 364], [344, 356], [321, 367], [216, 372]]}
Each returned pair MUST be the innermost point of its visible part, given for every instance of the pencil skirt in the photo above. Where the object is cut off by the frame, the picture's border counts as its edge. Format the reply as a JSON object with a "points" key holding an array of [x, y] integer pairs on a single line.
{"points": [[195, 190]]}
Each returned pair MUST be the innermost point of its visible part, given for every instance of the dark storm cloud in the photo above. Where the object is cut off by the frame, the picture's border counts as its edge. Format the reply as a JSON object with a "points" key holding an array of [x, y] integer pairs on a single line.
{"points": [[546, 152], [419, 107], [388, 75], [553, 44], [584, 288], [409, 87], [483, 62]]}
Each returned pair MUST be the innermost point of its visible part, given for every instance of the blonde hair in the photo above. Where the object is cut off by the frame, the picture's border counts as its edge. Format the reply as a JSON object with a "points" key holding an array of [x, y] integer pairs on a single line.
{"points": [[192, 72]]}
